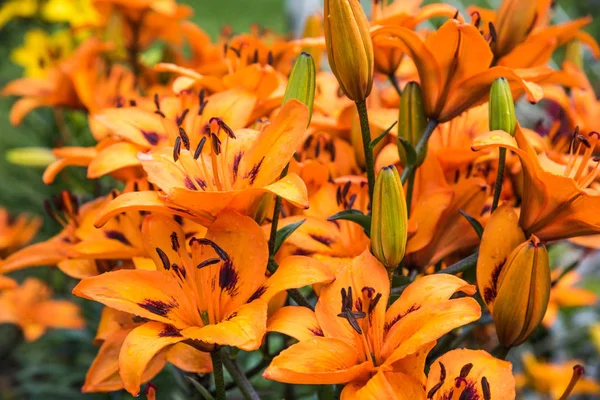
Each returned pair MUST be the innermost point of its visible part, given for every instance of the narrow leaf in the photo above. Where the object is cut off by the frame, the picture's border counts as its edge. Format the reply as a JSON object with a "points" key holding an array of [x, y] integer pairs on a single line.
{"points": [[355, 216], [411, 153], [201, 389], [284, 233], [383, 134], [474, 223]]}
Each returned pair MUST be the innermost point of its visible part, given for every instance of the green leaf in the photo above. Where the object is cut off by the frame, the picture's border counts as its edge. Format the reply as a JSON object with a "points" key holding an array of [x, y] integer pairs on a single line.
{"points": [[474, 223], [411, 153], [383, 134], [284, 233], [201, 389], [354, 216]]}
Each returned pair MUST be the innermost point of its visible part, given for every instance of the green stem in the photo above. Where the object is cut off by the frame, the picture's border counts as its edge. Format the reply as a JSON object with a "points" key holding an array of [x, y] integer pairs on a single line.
{"points": [[565, 271], [499, 178], [361, 107], [420, 148], [463, 265], [276, 213], [217, 362], [394, 82], [410, 185], [240, 379], [501, 352], [299, 298]]}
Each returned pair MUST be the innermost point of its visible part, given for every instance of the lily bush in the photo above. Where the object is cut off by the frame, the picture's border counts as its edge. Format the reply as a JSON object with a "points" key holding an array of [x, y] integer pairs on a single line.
{"points": [[360, 212]]}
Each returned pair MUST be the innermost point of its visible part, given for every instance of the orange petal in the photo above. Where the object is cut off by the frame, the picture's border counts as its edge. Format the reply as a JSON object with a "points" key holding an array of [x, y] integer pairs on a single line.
{"points": [[112, 158], [49, 252], [150, 294], [140, 347], [421, 327], [189, 359], [484, 367], [501, 236], [298, 322], [426, 291], [385, 385], [275, 145], [145, 201], [243, 329], [141, 127], [318, 361], [78, 268]]}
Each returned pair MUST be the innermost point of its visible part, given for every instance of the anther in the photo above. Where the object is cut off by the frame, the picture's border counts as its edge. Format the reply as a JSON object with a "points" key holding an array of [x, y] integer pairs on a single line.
{"points": [[206, 263], [181, 118], [270, 58], [493, 33], [199, 148], [485, 388], [216, 144], [184, 138], [163, 258], [177, 149]]}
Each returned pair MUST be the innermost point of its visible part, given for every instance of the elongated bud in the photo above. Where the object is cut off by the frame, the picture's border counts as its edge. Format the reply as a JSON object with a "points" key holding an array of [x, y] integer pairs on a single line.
{"points": [[313, 28], [502, 107], [349, 47], [411, 120], [573, 53], [523, 292], [514, 20], [389, 219], [301, 85], [31, 156]]}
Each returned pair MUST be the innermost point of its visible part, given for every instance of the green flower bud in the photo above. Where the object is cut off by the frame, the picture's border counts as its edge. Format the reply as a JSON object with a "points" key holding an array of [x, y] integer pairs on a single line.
{"points": [[502, 107], [389, 219], [412, 120], [573, 53], [301, 85]]}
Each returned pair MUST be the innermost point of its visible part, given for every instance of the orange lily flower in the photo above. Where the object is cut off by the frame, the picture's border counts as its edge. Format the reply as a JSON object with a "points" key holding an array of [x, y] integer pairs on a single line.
{"points": [[566, 294], [56, 89], [556, 197], [440, 229], [81, 249], [474, 373], [582, 107], [365, 345], [103, 374], [553, 379], [322, 239], [16, 233], [522, 37], [234, 171], [453, 64], [29, 306], [217, 296]]}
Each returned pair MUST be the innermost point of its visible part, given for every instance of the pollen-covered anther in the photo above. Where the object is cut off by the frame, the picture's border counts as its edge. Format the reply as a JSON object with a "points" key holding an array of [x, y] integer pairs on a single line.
{"points": [[485, 389], [438, 385], [218, 249], [185, 139], [347, 313], [177, 149], [207, 262]]}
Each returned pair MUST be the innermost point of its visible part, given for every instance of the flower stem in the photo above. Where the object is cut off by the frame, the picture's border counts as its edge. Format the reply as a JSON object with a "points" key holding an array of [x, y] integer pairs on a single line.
{"points": [[463, 265], [410, 185], [420, 148], [499, 178], [501, 352], [217, 362], [394, 82], [276, 213], [240, 379], [361, 107]]}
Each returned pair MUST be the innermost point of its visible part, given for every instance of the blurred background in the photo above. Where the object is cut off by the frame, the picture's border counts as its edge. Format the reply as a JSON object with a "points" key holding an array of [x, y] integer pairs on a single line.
{"points": [[54, 366]]}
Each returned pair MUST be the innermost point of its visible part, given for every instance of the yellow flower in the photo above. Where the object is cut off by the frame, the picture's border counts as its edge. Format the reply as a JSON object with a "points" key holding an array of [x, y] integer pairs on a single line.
{"points": [[17, 8], [42, 51], [75, 12]]}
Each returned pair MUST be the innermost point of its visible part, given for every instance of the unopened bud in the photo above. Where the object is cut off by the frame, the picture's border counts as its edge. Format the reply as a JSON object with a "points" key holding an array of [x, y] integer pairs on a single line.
{"points": [[412, 120], [349, 47], [514, 21], [523, 292], [573, 53], [31, 156], [502, 107], [301, 85], [389, 219]]}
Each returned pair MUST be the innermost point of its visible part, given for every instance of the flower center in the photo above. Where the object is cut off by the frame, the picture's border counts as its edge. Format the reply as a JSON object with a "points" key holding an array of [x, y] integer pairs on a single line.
{"points": [[582, 166], [361, 320]]}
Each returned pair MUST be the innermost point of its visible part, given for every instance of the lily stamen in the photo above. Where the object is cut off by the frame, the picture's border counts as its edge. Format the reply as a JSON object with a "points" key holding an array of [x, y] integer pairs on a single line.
{"points": [[578, 372]]}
